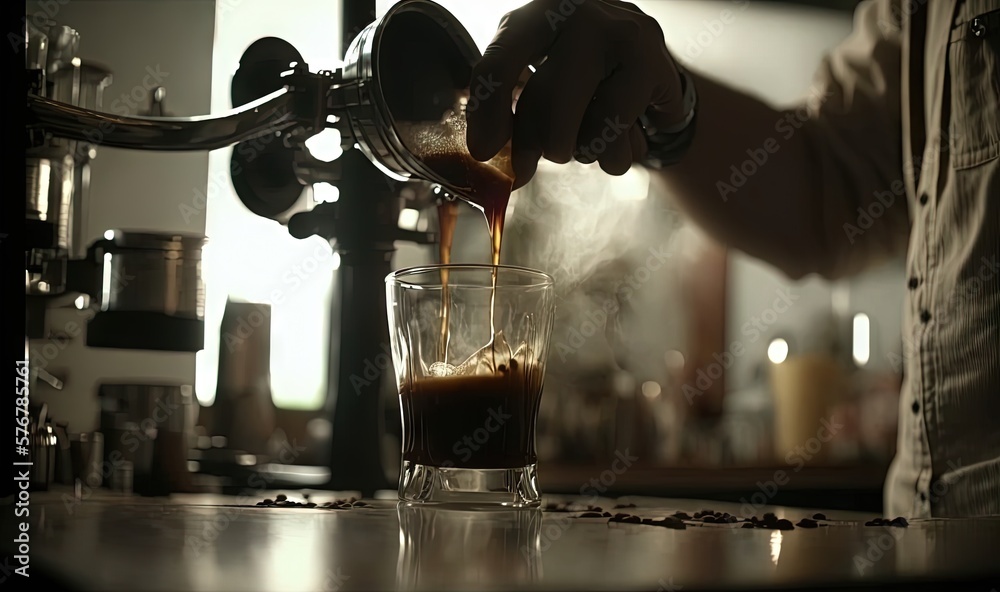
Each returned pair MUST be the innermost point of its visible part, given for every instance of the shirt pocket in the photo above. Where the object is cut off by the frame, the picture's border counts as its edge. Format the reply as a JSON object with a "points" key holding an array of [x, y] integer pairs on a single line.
{"points": [[974, 65]]}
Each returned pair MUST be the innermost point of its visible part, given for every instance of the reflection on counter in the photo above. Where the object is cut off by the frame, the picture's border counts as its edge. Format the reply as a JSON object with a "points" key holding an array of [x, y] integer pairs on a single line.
{"points": [[461, 549]]}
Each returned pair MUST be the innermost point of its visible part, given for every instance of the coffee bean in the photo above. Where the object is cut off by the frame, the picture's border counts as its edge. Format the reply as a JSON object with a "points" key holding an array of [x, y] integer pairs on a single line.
{"points": [[747, 525], [875, 522], [592, 515], [310, 505], [606, 514], [632, 520], [260, 503], [899, 521], [360, 505], [513, 364], [682, 515], [281, 497], [770, 517], [709, 520], [619, 506], [647, 520], [784, 524], [621, 516], [268, 502], [819, 516], [806, 523]]}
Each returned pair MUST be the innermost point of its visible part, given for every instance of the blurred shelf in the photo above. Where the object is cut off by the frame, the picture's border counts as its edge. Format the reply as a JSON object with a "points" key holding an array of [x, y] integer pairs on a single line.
{"points": [[570, 477], [857, 488]]}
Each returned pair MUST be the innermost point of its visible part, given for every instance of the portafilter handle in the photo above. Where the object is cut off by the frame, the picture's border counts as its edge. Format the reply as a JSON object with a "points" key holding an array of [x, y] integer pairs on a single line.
{"points": [[301, 104]]}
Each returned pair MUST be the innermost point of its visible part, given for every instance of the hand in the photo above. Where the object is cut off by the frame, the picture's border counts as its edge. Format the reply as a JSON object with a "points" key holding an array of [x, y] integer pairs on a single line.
{"points": [[600, 65]]}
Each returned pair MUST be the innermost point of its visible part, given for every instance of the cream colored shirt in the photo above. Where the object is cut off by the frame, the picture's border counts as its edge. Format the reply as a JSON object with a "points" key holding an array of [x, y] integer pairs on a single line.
{"points": [[908, 145]]}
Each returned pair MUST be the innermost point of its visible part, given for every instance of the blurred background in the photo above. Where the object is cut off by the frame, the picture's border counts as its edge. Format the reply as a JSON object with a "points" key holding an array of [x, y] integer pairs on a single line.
{"points": [[714, 372]]}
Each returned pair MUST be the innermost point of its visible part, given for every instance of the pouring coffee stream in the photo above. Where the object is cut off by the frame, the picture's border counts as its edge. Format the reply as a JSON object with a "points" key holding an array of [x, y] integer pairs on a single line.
{"points": [[487, 187]]}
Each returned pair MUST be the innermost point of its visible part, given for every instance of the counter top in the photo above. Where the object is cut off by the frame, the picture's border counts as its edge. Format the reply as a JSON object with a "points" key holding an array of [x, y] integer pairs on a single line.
{"points": [[202, 542]]}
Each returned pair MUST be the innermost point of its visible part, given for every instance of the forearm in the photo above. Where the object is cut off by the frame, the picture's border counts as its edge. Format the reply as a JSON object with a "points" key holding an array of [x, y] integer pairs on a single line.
{"points": [[749, 179]]}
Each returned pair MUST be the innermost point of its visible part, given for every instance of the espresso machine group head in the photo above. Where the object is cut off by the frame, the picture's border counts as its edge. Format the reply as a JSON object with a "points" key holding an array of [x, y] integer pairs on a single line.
{"points": [[413, 64]]}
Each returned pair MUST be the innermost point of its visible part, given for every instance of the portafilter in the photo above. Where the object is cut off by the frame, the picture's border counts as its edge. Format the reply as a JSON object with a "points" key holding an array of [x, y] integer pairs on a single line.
{"points": [[412, 65]]}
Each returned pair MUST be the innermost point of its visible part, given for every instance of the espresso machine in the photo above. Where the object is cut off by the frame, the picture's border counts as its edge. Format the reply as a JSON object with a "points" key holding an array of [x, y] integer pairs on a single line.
{"points": [[411, 65]]}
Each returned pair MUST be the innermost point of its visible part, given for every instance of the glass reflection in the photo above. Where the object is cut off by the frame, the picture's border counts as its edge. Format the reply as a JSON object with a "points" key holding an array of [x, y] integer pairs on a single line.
{"points": [[775, 546], [463, 549]]}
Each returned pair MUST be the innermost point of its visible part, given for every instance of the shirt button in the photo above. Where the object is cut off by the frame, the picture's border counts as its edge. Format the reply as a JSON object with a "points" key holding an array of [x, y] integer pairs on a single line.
{"points": [[915, 407], [914, 283], [925, 316], [923, 199]]}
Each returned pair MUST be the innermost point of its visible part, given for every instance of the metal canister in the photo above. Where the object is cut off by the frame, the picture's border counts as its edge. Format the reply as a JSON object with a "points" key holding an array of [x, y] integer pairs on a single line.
{"points": [[151, 293]]}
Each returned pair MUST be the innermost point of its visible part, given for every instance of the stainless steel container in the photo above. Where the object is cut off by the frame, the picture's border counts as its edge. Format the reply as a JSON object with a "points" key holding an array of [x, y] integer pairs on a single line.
{"points": [[57, 169], [150, 272], [151, 427], [412, 65], [87, 457]]}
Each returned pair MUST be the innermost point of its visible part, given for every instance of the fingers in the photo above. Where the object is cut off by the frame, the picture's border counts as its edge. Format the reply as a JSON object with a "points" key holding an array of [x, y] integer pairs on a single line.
{"points": [[556, 97], [606, 134], [524, 37], [526, 151], [625, 5]]}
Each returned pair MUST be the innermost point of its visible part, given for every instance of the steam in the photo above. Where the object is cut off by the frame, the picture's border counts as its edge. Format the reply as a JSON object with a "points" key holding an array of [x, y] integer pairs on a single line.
{"points": [[611, 244], [585, 225]]}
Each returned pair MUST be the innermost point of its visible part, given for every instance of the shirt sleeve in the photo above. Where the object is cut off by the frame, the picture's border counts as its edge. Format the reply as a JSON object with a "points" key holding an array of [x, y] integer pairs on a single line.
{"points": [[854, 132]]}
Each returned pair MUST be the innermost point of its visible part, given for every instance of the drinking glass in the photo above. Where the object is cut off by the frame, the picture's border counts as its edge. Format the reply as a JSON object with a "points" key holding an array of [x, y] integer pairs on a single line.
{"points": [[469, 345]]}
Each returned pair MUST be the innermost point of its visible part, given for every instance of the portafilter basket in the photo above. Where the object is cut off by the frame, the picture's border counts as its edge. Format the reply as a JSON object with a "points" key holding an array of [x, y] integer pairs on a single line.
{"points": [[411, 66]]}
